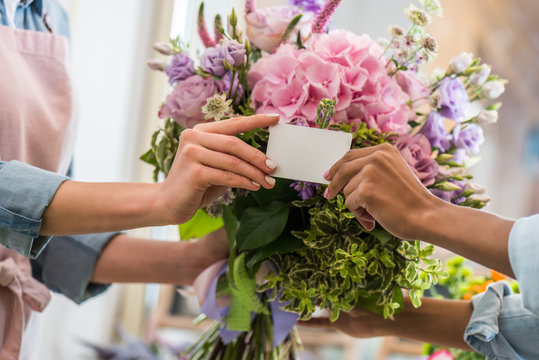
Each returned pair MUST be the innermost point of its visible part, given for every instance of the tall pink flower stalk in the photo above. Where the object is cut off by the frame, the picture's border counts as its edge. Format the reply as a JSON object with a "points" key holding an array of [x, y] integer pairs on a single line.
{"points": [[325, 14], [249, 6], [202, 30]]}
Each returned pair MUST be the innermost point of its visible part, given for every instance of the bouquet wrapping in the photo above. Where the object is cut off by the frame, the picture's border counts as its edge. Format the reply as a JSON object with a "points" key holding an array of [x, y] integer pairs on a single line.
{"points": [[292, 251]]}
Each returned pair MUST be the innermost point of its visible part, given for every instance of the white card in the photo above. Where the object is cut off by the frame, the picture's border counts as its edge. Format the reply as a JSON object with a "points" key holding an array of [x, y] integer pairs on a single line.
{"points": [[304, 153]]}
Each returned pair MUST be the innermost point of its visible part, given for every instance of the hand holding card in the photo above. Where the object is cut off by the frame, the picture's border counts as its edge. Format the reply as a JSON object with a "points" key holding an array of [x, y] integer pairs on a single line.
{"points": [[304, 153]]}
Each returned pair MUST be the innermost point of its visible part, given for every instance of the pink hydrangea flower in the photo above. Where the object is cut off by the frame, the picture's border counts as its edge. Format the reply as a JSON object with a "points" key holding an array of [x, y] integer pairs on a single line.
{"points": [[339, 65]]}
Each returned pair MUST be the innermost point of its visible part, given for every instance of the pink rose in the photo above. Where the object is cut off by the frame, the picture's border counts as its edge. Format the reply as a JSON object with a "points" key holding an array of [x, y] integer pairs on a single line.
{"points": [[265, 27], [417, 152], [184, 103], [417, 90]]}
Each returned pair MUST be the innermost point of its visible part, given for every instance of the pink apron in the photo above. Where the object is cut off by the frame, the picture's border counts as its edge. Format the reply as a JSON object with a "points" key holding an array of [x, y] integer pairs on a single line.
{"points": [[36, 128]]}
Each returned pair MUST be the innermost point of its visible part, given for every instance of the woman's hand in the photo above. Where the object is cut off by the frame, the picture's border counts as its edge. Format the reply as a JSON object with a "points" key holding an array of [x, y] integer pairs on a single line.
{"points": [[379, 186], [210, 158]]}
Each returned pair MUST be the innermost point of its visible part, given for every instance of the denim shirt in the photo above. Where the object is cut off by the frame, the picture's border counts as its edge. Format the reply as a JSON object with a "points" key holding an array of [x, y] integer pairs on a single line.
{"points": [[504, 325], [66, 263]]}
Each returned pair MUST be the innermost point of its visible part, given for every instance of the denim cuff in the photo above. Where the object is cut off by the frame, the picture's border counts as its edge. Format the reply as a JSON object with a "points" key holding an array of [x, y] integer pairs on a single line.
{"points": [[483, 330], [67, 264], [524, 255], [25, 193]]}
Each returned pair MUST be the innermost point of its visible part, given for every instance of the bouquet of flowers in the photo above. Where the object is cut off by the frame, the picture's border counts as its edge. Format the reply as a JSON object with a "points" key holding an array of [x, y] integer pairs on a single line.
{"points": [[463, 284], [308, 252]]}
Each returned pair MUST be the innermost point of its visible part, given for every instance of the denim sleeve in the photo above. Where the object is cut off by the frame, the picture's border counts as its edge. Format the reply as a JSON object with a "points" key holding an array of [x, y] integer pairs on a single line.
{"points": [[500, 326], [67, 264], [524, 257], [25, 192]]}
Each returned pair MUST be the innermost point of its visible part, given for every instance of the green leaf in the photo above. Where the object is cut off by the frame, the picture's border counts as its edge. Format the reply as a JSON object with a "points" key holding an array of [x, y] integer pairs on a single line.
{"points": [[149, 157], [280, 192], [286, 243], [290, 28], [381, 234], [200, 225], [231, 226], [261, 226]]}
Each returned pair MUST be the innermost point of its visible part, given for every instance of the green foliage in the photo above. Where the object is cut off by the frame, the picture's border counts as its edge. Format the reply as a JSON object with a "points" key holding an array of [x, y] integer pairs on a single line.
{"points": [[200, 225], [164, 144]]}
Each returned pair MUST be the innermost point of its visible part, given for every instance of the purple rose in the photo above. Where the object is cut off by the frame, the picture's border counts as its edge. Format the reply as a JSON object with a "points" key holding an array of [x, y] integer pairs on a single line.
{"points": [[454, 100], [436, 132], [211, 61], [417, 152], [180, 68], [469, 138], [184, 103], [234, 52], [309, 5]]}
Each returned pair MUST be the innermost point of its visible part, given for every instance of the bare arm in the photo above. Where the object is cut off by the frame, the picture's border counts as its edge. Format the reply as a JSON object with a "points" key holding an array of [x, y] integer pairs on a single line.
{"points": [[128, 259], [209, 159], [440, 322], [379, 186]]}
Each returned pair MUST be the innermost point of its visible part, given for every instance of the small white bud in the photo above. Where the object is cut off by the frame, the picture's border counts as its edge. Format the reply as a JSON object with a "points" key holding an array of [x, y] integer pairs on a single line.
{"points": [[476, 188], [156, 64], [460, 63], [480, 77], [487, 117], [480, 197], [163, 48], [493, 89]]}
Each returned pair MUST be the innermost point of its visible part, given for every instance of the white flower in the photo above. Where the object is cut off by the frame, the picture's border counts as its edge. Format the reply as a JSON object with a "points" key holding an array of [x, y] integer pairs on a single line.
{"points": [[487, 117], [493, 89], [480, 77], [417, 16], [396, 31], [461, 63], [383, 42], [217, 107], [480, 197], [476, 188], [432, 6], [163, 48]]}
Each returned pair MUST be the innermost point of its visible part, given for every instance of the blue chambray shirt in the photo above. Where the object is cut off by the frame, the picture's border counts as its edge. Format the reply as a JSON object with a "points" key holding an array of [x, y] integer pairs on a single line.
{"points": [[504, 325], [66, 263]]}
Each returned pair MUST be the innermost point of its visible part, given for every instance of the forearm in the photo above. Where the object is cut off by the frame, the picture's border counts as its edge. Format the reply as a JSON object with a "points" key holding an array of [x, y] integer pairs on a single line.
{"points": [[440, 322], [128, 259], [79, 208], [477, 235]]}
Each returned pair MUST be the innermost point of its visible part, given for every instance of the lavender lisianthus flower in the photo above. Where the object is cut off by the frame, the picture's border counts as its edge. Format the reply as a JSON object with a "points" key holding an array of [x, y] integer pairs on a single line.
{"points": [[313, 6], [455, 100], [211, 61], [180, 68], [460, 156], [305, 189], [233, 51], [417, 152], [435, 131], [469, 137]]}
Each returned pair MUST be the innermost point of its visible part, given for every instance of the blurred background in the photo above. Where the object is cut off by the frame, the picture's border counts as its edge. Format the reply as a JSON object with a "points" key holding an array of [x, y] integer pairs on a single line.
{"points": [[119, 98]]}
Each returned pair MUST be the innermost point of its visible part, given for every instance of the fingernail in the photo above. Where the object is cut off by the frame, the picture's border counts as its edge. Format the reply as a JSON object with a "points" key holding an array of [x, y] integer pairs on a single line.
{"points": [[326, 174], [255, 183], [326, 193], [273, 115], [271, 164], [270, 180]]}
